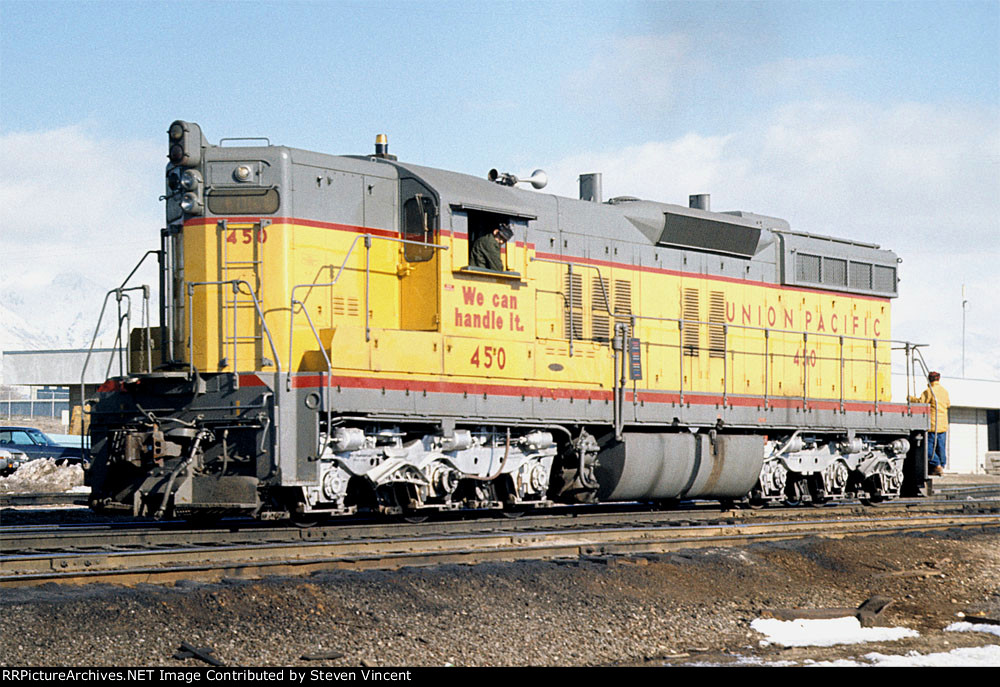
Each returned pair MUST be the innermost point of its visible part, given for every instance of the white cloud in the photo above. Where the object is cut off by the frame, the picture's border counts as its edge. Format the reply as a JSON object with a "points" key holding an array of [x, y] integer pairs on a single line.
{"points": [[917, 179], [658, 170], [636, 73], [74, 202]]}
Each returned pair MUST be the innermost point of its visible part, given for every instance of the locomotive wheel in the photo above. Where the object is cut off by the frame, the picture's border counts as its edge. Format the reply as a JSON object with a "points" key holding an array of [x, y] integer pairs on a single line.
{"points": [[794, 493], [817, 493], [514, 512], [755, 500], [403, 497], [306, 520]]}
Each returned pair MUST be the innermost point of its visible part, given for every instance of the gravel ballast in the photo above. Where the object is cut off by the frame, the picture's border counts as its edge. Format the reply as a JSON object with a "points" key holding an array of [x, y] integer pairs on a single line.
{"points": [[691, 607]]}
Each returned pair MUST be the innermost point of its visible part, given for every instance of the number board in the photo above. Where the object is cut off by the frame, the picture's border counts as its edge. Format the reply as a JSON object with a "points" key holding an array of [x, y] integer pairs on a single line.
{"points": [[635, 358]]}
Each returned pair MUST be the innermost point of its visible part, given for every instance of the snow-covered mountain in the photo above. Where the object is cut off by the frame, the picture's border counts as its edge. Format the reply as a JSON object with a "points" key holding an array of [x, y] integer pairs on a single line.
{"points": [[59, 314]]}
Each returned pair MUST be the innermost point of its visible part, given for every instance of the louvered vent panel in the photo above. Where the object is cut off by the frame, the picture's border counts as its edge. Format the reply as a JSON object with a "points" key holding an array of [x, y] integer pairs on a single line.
{"points": [[573, 286], [345, 306], [716, 333], [600, 320], [690, 311], [623, 297]]}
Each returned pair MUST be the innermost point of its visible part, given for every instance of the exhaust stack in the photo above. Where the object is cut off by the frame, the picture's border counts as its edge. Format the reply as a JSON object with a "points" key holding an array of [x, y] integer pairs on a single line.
{"points": [[590, 187], [700, 201]]}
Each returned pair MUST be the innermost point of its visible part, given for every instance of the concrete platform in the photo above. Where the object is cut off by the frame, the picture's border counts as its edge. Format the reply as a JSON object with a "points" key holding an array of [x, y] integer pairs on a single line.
{"points": [[955, 480]]}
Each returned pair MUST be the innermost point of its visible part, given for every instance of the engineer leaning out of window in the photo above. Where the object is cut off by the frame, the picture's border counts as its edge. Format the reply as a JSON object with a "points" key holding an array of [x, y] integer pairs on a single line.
{"points": [[937, 396], [485, 252]]}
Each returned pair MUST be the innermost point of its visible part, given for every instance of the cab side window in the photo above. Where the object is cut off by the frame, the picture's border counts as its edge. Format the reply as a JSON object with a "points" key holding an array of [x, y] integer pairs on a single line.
{"points": [[419, 219]]}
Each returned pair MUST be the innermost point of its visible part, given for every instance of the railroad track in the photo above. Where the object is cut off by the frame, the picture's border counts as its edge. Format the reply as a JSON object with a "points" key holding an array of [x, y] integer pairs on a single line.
{"points": [[130, 553], [44, 499]]}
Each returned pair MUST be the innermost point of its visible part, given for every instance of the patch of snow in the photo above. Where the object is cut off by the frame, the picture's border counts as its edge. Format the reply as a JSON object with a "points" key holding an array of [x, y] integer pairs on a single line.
{"points": [[973, 627], [836, 663], [807, 632], [978, 656], [43, 475]]}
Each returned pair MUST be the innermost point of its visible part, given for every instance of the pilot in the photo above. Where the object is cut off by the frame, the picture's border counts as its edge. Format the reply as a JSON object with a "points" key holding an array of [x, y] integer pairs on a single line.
{"points": [[485, 251]]}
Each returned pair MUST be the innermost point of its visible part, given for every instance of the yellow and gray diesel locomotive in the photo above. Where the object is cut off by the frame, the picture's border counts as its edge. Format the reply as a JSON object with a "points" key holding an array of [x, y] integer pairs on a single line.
{"points": [[327, 346]]}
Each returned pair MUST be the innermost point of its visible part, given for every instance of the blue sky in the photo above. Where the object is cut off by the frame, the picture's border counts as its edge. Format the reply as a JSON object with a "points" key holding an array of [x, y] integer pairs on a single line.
{"points": [[516, 78], [871, 120]]}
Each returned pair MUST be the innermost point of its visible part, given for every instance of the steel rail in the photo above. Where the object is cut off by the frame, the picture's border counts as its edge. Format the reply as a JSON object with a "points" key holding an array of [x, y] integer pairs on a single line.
{"points": [[59, 498], [94, 536], [169, 563], [20, 537]]}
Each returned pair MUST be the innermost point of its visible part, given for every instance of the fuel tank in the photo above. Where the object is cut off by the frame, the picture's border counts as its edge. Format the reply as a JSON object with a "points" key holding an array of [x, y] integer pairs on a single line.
{"points": [[678, 465]]}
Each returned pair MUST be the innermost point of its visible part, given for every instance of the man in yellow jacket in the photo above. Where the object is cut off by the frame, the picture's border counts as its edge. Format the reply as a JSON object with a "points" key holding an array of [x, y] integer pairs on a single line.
{"points": [[937, 396]]}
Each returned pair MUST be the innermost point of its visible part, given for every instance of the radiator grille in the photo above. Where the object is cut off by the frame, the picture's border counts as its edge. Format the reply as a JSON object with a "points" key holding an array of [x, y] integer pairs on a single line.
{"points": [[600, 324], [690, 311], [716, 332], [573, 286], [623, 297]]}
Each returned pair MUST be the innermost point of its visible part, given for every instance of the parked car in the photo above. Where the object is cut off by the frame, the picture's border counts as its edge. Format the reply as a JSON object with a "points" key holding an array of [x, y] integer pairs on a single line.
{"points": [[10, 460], [36, 444]]}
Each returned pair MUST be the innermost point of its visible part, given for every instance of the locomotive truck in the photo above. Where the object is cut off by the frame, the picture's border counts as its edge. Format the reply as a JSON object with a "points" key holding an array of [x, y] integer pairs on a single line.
{"points": [[325, 346]]}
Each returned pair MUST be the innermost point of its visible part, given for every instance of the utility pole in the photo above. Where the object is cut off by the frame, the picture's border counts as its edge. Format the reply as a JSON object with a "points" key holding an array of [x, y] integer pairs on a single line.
{"points": [[965, 307]]}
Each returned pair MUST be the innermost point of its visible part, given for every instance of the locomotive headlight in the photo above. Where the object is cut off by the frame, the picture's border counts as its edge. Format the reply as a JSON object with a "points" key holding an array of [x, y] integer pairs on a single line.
{"points": [[191, 180], [191, 203], [243, 173]]}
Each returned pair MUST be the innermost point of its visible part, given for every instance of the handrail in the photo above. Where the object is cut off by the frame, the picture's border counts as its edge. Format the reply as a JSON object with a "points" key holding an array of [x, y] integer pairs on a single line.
{"points": [[294, 301], [571, 265], [920, 357], [767, 331], [120, 294], [604, 292], [119, 291], [368, 242], [100, 318], [235, 283]]}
